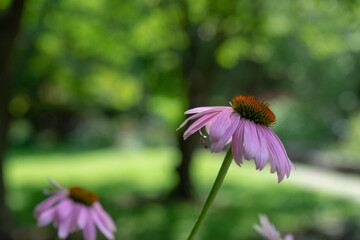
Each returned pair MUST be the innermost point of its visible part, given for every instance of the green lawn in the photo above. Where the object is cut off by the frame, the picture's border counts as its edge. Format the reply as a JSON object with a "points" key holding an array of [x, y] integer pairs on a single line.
{"points": [[129, 182]]}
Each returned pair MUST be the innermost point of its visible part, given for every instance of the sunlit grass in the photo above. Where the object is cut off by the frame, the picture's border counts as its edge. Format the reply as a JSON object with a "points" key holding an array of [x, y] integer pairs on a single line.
{"points": [[145, 168], [126, 179]]}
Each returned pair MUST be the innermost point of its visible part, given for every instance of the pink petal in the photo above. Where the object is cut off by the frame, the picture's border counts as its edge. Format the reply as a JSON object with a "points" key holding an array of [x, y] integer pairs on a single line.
{"points": [[69, 224], [286, 161], [202, 109], [89, 231], [266, 229], [64, 227], [198, 124], [47, 203], [84, 214], [105, 217], [275, 159], [238, 142], [46, 217], [251, 140], [222, 128], [64, 208], [220, 124], [272, 164], [55, 184], [207, 126], [262, 154], [198, 115], [289, 237], [226, 138], [101, 225], [278, 154], [75, 216]]}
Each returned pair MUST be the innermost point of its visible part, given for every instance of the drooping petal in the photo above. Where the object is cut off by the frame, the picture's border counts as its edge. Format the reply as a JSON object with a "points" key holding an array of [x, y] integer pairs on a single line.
{"points": [[104, 216], [58, 189], [227, 137], [46, 217], [287, 161], [251, 140], [84, 214], [89, 231], [238, 142], [274, 157], [200, 114], [272, 163], [278, 154], [219, 125], [266, 229], [101, 225], [207, 127], [222, 128], [68, 224], [292, 165], [55, 184], [202, 109], [198, 124], [64, 227], [74, 218], [289, 237], [47, 203], [64, 208], [262, 154]]}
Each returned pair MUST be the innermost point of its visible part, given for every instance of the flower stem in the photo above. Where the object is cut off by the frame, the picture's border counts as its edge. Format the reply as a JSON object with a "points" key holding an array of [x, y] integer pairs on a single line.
{"points": [[215, 188]]}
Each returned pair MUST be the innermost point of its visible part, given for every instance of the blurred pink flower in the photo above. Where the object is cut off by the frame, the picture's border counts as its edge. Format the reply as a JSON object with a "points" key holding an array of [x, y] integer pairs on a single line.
{"points": [[268, 231], [74, 209], [246, 123]]}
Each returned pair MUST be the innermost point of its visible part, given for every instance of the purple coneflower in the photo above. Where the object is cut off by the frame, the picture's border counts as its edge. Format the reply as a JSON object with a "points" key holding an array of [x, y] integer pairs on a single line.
{"points": [[74, 209], [268, 231], [246, 123]]}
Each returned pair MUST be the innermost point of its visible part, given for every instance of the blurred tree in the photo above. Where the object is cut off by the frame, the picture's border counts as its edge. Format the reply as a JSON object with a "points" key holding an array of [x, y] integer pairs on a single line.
{"points": [[156, 58], [199, 69], [205, 25], [9, 28], [270, 49]]}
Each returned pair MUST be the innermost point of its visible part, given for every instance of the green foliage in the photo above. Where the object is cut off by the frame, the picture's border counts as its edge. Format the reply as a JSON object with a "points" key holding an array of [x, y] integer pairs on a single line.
{"points": [[4, 4], [112, 57]]}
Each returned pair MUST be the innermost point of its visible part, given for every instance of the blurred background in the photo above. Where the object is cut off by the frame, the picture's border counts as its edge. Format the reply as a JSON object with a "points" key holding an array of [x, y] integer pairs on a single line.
{"points": [[91, 93]]}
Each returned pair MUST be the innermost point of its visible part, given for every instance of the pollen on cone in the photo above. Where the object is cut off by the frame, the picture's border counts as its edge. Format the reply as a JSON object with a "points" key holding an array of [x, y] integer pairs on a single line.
{"points": [[252, 109], [82, 195]]}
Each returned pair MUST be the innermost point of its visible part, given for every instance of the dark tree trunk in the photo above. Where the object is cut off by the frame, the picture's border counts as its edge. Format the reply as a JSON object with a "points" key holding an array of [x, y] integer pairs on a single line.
{"points": [[184, 187], [9, 27], [199, 70], [199, 87]]}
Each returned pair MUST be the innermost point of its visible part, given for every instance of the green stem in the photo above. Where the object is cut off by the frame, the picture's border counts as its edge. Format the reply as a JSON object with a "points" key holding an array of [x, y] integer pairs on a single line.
{"points": [[217, 184]]}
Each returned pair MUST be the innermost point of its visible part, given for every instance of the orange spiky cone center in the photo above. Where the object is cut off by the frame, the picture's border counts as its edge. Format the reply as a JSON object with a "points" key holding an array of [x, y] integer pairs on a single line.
{"points": [[82, 195], [254, 110]]}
